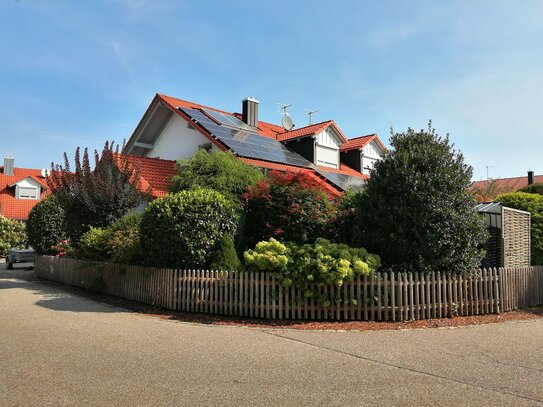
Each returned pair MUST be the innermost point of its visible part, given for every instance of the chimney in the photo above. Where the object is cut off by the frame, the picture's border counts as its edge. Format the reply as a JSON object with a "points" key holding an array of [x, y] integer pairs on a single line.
{"points": [[8, 165], [250, 111], [530, 177]]}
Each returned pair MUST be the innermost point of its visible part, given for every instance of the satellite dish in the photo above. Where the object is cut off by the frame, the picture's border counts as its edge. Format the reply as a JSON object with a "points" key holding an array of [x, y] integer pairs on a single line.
{"points": [[45, 173], [287, 123]]}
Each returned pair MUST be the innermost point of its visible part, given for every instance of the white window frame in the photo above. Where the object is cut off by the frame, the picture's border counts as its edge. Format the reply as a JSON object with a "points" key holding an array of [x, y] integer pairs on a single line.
{"points": [[20, 195]]}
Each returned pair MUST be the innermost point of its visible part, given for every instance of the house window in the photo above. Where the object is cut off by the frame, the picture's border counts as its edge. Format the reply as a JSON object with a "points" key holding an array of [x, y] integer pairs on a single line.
{"points": [[27, 193]]}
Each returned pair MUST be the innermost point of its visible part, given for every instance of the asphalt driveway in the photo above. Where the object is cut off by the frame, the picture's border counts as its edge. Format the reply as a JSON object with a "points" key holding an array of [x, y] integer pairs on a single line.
{"points": [[60, 349]]}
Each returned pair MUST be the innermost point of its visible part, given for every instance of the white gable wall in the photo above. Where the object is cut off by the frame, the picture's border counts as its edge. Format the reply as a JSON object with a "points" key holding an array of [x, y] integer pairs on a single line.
{"points": [[177, 140], [369, 155], [27, 189], [327, 149]]}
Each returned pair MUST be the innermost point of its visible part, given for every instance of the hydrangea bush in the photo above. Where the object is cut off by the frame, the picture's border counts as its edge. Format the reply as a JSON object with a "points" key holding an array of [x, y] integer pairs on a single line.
{"points": [[323, 263]]}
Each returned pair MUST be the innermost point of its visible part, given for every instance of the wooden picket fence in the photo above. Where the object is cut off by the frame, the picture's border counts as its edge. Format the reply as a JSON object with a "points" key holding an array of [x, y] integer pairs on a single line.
{"points": [[381, 297]]}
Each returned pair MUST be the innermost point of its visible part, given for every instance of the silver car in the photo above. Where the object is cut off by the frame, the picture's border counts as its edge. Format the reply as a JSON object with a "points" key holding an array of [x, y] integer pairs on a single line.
{"points": [[19, 256]]}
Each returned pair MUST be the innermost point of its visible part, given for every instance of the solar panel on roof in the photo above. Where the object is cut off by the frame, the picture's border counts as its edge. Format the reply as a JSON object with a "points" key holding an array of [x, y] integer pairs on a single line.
{"points": [[343, 181], [247, 143], [226, 119]]}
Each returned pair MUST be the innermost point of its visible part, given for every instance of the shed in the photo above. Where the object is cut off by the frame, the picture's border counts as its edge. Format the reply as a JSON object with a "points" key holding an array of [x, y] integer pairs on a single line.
{"points": [[509, 242]]}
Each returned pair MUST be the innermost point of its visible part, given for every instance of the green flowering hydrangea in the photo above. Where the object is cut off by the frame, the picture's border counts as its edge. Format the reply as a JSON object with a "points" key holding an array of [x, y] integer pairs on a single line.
{"points": [[267, 256]]}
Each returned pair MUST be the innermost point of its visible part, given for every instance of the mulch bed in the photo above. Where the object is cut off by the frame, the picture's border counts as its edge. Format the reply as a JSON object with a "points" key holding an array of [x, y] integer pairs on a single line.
{"points": [[220, 320]]}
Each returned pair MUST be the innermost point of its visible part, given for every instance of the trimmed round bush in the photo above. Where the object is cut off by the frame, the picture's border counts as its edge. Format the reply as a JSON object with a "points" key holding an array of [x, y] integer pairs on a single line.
{"points": [[45, 225], [185, 229]]}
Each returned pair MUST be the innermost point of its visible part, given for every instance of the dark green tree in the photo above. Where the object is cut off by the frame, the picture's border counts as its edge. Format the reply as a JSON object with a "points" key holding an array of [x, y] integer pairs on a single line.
{"points": [[95, 197], [217, 170], [416, 212]]}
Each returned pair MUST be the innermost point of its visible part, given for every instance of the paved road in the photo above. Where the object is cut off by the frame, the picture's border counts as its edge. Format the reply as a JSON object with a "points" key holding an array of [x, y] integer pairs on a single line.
{"points": [[60, 349]]}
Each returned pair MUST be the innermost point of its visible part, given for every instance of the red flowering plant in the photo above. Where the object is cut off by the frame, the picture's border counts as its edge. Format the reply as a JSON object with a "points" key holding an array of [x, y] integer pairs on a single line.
{"points": [[63, 248], [287, 206]]}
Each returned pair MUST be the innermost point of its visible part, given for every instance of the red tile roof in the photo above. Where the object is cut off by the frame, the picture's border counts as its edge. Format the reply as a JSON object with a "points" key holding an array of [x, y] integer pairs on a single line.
{"points": [[487, 190], [332, 190], [344, 169], [155, 173], [304, 131], [264, 129], [14, 208], [359, 142]]}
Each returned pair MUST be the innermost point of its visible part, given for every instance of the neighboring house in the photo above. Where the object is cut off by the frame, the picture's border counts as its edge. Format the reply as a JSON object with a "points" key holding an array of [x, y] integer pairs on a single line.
{"points": [[487, 190], [20, 189], [172, 129]]}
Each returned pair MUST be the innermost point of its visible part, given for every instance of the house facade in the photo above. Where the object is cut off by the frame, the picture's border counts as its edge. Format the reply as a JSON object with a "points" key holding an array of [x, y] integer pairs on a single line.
{"points": [[173, 129], [20, 189]]}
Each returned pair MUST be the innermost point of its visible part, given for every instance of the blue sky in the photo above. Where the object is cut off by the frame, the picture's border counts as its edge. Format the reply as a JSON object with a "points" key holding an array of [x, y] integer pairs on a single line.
{"points": [[76, 73]]}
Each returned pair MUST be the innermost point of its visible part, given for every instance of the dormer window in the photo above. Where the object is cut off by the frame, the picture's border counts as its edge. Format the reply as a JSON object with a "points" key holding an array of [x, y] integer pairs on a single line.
{"points": [[27, 188], [27, 193]]}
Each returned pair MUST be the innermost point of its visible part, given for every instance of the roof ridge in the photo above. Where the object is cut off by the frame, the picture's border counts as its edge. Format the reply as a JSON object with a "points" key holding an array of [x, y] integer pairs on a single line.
{"points": [[305, 127], [359, 137]]}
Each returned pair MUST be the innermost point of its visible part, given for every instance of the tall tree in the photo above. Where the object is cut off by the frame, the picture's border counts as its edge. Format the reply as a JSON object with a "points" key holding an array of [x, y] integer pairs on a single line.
{"points": [[416, 211], [96, 196]]}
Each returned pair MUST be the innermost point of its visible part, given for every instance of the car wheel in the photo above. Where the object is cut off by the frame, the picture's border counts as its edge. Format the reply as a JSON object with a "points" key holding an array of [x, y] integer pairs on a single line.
{"points": [[9, 265]]}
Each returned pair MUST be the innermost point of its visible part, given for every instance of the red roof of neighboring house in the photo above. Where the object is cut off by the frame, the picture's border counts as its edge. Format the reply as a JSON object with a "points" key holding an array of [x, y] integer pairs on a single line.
{"points": [[487, 190], [14, 208], [155, 173]]}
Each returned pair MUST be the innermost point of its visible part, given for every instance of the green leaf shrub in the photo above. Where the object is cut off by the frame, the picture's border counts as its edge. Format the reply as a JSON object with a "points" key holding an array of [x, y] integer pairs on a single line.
{"points": [[118, 243], [533, 189], [226, 257], [185, 229], [12, 235], [417, 211], [532, 203], [323, 262], [45, 225], [217, 170], [289, 207]]}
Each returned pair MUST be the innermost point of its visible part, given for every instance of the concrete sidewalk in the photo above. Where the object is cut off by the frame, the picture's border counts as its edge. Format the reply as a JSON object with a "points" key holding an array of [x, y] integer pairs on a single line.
{"points": [[60, 349]]}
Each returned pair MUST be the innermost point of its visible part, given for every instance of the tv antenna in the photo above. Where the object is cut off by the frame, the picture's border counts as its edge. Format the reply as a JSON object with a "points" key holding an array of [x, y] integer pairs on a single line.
{"points": [[310, 114], [487, 167], [286, 121]]}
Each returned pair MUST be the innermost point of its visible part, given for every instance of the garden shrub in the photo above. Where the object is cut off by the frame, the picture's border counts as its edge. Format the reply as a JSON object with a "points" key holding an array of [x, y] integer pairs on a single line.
{"points": [[533, 189], [289, 207], [186, 228], [532, 203], [93, 244], [267, 256], [118, 243], [217, 170], [226, 257], [12, 235], [45, 225], [323, 262]]}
